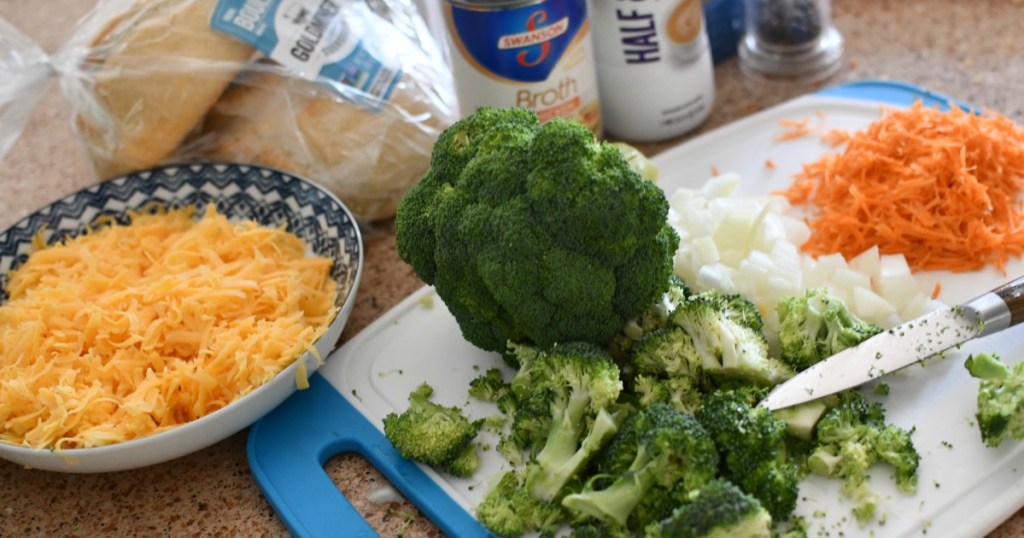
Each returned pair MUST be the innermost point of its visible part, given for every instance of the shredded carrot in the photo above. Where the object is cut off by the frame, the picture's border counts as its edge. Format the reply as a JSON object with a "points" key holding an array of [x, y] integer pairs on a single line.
{"points": [[936, 290], [794, 129], [714, 171], [133, 329], [943, 188], [770, 164]]}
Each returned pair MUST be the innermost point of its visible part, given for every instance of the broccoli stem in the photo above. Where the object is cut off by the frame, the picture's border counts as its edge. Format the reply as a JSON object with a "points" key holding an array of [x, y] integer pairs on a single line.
{"points": [[547, 478], [615, 502], [618, 500]]}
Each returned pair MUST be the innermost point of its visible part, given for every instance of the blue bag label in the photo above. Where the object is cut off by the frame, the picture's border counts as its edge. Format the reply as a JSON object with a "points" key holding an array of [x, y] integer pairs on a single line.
{"points": [[323, 40], [523, 44]]}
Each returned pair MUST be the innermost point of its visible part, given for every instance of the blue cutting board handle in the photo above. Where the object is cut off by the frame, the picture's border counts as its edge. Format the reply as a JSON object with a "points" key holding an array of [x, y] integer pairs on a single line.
{"points": [[288, 448]]}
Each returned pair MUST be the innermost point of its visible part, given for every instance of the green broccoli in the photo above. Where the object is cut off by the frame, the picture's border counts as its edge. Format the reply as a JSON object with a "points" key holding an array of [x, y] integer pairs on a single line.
{"points": [[726, 332], [433, 434], [717, 510], [508, 510], [682, 392], [667, 352], [653, 318], [510, 224], [579, 383], [851, 438], [1000, 398], [489, 387], [752, 445], [667, 449], [817, 325]]}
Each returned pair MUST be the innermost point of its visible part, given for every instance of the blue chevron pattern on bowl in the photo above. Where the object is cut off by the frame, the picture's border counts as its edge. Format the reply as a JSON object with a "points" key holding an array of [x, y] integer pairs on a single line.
{"points": [[269, 197], [266, 196]]}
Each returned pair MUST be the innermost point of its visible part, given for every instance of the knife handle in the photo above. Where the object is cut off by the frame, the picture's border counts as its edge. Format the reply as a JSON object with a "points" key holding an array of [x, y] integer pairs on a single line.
{"points": [[1013, 295], [1000, 308]]}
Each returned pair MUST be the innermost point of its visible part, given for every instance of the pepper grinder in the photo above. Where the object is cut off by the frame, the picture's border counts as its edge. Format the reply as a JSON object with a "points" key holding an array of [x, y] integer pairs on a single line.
{"points": [[789, 40]]}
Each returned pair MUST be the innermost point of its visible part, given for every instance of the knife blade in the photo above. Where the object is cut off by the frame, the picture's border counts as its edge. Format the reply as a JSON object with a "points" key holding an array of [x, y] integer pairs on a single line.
{"points": [[903, 345]]}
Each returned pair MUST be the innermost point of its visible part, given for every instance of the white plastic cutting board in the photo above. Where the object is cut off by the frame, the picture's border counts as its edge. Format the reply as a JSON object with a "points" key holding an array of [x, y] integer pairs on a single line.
{"points": [[965, 488]]}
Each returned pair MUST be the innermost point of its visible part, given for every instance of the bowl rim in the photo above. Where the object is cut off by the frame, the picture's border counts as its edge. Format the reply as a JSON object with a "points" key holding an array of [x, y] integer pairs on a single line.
{"points": [[67, 458]]}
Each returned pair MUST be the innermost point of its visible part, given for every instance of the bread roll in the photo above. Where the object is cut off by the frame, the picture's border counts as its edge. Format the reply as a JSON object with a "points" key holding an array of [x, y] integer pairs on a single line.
{"points": [[151, 75], [368, 159]]}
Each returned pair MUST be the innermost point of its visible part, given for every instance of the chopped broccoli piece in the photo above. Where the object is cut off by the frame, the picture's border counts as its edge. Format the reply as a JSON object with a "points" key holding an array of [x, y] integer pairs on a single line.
{"points": [[577, 382], [510, 224], [852, 437], [682, 392], [1000, 398], [653, 318], [717, 510], [752, 444], [431, 433], [726, 332], [817, 325], [466, 463], [667, 352], [508, 510], [801, 419], [489, 387], [668, 448]]}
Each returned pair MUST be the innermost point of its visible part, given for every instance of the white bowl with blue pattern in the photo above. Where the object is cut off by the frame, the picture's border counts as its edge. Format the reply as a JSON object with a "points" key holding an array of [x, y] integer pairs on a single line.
{"points": [[269, 197]]}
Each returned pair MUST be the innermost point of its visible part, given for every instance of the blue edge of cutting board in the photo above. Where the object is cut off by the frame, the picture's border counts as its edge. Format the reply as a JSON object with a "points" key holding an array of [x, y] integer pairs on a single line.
{"points": [[287, 448]]}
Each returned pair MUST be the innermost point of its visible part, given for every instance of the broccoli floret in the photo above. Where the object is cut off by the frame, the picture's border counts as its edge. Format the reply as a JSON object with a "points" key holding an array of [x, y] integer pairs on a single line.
{"points": [[752, 444], [1000, 398], [817, 325], [852, 437], [726, 332], [489, 387], [670, 449], [682, 392], [577, 382], [667, 352], [510, 224], [431, 433], [466, 463], [718, 510], [653, 318], [508, 510]]}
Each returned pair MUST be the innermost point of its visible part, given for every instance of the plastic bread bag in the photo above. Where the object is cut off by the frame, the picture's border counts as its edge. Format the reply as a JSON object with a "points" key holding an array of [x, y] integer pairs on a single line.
{"points": [[347, 93], [26, 72]]}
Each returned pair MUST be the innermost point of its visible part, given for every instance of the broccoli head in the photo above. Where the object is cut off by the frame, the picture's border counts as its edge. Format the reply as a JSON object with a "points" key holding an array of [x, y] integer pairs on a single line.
{"points": [[717, 510], [726, 333], [852, 437], [752, 445], [510, 224], [817, 325], [433, 434], [666, 449], [1000, 398]]}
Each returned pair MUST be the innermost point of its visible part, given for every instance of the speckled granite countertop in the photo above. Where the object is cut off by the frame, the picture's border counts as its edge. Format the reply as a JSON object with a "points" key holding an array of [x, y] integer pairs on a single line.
{"points": [[973, 51]]}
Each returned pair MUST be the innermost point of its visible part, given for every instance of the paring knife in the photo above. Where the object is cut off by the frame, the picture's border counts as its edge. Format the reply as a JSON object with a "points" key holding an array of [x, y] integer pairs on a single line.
{"points": [[904, 345]]}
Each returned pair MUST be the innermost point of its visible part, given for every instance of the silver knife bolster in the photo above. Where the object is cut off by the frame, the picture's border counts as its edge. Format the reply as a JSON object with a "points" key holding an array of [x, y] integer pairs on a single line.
{"points": [[987, 311]]}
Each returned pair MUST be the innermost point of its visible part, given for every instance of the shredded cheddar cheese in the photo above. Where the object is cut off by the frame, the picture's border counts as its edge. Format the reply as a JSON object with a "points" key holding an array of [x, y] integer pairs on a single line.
{"points": [[129, 330]]}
